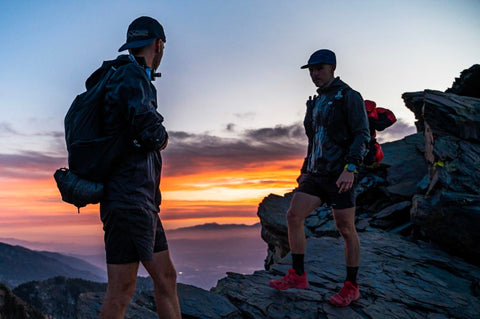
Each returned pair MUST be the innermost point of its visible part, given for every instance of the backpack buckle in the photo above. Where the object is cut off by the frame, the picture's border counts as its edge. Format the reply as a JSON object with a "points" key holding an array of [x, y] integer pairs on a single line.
{"points": [[339, 95]]}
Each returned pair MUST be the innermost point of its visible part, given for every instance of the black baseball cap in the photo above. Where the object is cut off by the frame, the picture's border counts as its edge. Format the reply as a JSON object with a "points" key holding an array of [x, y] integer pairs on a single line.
{"points": [[141, 32], [323, 56]]}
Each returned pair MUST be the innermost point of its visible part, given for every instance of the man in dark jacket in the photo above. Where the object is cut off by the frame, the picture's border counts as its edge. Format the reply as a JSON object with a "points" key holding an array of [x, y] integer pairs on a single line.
{"points": [[130, 207], [337, 129]]}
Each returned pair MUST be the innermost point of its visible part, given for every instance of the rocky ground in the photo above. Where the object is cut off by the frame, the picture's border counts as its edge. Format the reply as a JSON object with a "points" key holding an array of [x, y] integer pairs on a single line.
{"points": [[398, 279]]}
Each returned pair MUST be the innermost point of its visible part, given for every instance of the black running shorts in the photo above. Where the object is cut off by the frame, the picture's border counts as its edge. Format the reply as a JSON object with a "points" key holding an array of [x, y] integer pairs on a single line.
{"points": [[326, 189], [132, 235]]}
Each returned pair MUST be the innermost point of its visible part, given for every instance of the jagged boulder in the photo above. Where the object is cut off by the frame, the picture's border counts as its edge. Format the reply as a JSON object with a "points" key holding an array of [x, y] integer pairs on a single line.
{"points": [[405, 167], [468, 84], [13, 307], [451, 114], [272, 213], [448, 212]]}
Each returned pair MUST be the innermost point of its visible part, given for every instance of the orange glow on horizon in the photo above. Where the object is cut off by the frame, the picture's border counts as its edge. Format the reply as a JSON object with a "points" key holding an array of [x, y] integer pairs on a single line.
{"points": [[32, 209]]}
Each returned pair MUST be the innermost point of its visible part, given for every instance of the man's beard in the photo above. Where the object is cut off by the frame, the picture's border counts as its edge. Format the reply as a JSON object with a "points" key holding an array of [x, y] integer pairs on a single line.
{"points": [[156, 60]]}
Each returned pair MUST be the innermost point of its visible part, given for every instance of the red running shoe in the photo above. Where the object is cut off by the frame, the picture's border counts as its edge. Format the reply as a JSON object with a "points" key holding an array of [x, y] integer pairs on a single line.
{"points": [[348, 294], [290, 280]]}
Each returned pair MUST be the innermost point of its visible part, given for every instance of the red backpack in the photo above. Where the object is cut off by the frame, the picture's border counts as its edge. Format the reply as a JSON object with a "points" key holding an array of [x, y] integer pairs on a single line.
{"points": [[379, 119]]}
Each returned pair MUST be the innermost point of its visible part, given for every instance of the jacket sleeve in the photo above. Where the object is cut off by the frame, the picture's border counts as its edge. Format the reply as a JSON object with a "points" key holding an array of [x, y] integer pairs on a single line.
{"points": [[131, 90], [307, 123], [357, 122]]}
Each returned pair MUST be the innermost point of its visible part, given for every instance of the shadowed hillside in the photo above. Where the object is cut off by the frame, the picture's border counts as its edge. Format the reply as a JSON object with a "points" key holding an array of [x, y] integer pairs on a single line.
{"points": [[19, 265]]}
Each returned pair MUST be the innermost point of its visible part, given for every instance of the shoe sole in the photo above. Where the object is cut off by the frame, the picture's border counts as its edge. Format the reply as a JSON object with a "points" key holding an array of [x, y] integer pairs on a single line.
{"points": [[283, 289], [340, 306]]}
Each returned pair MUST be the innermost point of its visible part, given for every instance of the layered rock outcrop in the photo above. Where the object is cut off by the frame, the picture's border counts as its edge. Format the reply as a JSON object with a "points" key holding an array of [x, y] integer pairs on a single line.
{"points": [[448, 212]]}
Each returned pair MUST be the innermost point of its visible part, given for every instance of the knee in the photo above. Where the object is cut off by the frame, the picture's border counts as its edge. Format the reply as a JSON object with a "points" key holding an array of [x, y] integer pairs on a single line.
{"points": [[293, 217], [120, 295], [166, 281], [346, 230]]}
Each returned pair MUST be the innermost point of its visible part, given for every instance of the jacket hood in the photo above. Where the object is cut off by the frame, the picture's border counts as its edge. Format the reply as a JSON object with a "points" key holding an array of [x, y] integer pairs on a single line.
{"points": [[101, 71]]}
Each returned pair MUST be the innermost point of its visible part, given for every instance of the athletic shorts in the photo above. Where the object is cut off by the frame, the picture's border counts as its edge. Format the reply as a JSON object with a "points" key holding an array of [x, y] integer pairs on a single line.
{"points": [[132, 235], [325, 188]]}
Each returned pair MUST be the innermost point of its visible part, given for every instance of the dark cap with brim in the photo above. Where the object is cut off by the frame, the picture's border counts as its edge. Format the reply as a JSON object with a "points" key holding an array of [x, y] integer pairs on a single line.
{"points": [[323, 56], [141, 32]]}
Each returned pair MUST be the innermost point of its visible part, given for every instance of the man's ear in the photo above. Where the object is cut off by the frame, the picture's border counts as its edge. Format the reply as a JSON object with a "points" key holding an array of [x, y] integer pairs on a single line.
{"points": [[158, 45]]}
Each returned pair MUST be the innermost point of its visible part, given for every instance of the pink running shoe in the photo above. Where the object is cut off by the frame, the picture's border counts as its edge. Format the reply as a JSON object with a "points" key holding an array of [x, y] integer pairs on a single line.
{"points": [[290, 280], [348, 294]]}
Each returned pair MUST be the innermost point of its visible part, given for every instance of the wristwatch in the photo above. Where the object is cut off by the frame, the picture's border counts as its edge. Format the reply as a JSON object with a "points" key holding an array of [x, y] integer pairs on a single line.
{"points": [[352, 168]]}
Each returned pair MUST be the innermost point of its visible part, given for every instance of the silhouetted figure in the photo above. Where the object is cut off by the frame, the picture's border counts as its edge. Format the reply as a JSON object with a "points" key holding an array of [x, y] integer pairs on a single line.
{"points": [[130, 206]]}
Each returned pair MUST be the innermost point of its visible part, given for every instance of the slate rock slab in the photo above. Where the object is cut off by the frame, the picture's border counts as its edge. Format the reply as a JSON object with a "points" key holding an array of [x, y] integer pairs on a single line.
{"points": [[199, 303], [398, 279]]}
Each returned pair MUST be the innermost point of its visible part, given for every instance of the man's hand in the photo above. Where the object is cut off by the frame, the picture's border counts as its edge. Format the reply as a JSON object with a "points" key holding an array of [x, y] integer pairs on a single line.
{"points": [[345, 181]]}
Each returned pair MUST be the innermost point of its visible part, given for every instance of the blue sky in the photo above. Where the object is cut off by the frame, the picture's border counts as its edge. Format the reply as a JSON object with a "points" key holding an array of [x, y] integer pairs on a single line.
{"points": [[227, 62]]}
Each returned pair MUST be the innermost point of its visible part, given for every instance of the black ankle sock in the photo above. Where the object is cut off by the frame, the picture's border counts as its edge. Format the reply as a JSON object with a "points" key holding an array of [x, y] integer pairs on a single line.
{"points": [[352, 274], [297, 260]]}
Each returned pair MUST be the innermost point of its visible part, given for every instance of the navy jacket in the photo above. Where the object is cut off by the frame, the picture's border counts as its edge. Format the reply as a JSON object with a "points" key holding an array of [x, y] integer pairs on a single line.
{"points": [[342, 122], [131, 110]]}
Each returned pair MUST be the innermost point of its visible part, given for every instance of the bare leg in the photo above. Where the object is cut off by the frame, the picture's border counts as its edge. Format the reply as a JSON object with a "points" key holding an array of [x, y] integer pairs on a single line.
{"points": [[301, 206], [164, 278], [345, 222], [122, 280]]}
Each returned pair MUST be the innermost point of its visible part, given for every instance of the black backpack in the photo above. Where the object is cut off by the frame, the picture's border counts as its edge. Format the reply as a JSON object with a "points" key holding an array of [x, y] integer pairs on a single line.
{"points": [[91, 153]]}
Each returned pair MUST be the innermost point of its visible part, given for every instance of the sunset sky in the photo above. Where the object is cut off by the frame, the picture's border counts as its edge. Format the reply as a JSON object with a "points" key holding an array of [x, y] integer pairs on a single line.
{"points": [[232, 93]]}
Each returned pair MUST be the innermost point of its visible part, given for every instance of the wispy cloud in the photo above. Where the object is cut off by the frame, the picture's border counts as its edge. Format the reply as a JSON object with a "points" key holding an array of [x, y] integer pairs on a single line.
{"points": [[29, 164], [193, 153], [7, 129], [245, 116], [54, 134], [189, 153]]}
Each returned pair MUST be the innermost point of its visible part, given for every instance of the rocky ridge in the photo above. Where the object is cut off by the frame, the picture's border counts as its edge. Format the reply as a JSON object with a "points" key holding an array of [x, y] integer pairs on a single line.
{"points": [[13, 307]]}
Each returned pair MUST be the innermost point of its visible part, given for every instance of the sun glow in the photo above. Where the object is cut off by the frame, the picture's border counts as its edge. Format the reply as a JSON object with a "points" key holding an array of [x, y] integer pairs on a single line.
{"points": [[32, 209]]}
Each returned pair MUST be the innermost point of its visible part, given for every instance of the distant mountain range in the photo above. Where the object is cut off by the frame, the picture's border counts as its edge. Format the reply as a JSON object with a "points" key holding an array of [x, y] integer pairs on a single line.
{"points": [[19, 265], [215, 226], [196, 247]]}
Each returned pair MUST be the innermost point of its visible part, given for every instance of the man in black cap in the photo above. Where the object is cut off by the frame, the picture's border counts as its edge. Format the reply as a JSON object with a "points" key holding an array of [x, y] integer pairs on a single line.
{"points": [[130, 206], [337, 129]]}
